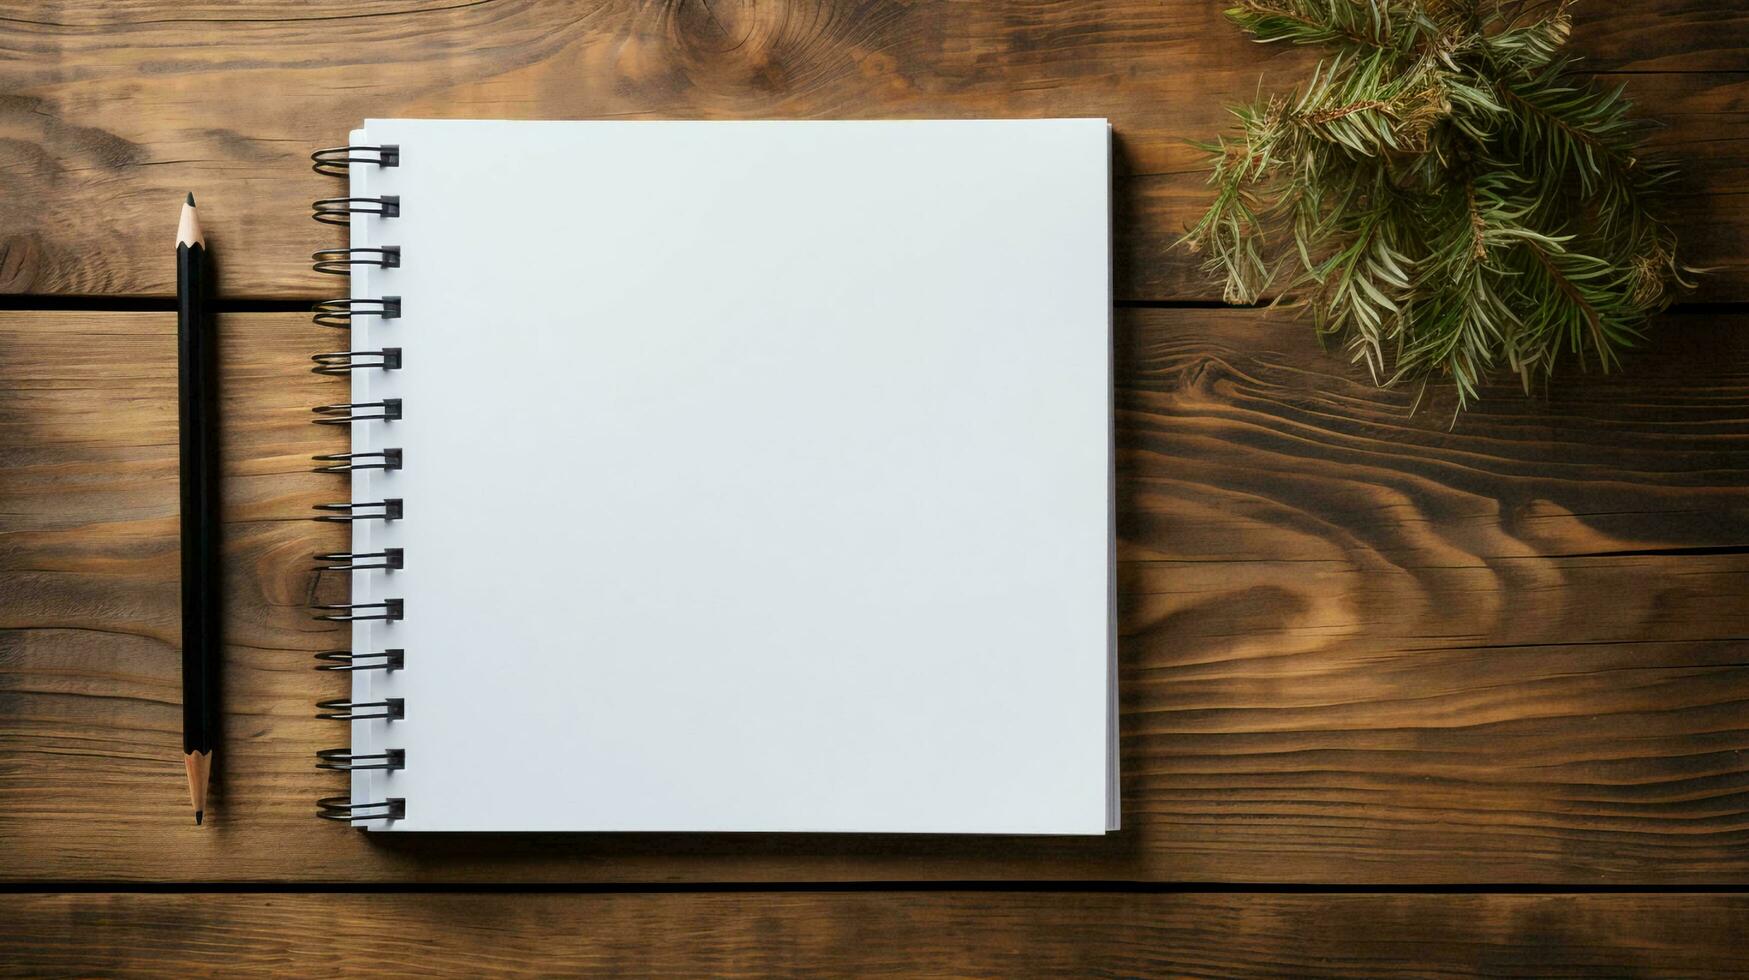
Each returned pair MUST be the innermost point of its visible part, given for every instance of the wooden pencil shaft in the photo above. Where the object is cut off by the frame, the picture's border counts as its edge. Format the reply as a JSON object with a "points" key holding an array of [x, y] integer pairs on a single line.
{"points": [[198, 449]]}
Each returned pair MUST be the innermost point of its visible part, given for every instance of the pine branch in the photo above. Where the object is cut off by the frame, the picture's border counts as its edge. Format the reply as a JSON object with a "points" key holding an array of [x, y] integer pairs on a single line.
{"points": [[1579, 305], [1531, 45], [1360, 24], [1443, 195]]}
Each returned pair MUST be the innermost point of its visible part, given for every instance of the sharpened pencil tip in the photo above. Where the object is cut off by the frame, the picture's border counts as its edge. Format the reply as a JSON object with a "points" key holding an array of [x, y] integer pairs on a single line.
{"points": [[191, 199], [197, 815]]}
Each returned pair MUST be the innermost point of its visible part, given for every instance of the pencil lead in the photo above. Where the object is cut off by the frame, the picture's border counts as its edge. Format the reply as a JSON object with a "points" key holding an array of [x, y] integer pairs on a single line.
{"points": [[191, 199], [197, 816]]}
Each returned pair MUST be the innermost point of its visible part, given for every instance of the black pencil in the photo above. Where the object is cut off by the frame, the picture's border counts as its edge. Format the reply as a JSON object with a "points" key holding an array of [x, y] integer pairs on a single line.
{"points": [[197, 404]]}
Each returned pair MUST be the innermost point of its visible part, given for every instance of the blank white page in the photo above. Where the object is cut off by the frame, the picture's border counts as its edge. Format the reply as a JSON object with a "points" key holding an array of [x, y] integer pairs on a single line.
{"points": [[756, 475]]}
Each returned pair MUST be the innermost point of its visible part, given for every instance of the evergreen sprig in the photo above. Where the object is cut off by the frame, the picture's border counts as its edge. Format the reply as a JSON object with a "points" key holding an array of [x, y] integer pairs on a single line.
{"points": [[1445, 194]]}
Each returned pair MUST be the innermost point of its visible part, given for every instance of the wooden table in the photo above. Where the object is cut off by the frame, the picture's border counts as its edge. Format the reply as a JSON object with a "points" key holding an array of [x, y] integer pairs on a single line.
{"points": [[1398, 695]]}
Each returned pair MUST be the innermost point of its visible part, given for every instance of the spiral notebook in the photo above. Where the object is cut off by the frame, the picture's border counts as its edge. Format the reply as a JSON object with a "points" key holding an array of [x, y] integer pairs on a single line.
{"points": [[725, 476]]}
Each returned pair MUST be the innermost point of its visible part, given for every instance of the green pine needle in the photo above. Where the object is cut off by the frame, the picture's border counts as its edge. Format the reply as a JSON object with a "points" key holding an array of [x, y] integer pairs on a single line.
{"points": [[1445, 195]]}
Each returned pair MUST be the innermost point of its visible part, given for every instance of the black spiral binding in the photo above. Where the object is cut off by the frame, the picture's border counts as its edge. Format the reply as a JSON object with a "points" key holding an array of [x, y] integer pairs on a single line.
{"points": [[335, 161], [339, 362], [387, 410], [361, 561], [342, 808], [382, 459], [341, 709], [339, 314], [339, 261], [391, 659], [373, 510], [388, 610], [339, 210], [340, 760]]}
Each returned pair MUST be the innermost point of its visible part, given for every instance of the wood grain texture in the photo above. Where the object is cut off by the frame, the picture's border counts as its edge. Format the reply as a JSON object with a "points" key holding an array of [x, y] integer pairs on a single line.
{"points": [[110, 112], [1358, 646], [882, 933]]}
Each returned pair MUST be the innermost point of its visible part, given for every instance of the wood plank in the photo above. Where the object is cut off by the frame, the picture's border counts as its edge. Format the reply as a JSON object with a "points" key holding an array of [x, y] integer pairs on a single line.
{"points": [[1358, 645], [866, 934], [110, 112]]}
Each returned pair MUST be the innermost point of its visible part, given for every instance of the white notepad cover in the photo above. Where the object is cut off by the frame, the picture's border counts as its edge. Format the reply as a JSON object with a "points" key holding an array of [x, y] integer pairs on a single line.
{"points": [[757, 476]]}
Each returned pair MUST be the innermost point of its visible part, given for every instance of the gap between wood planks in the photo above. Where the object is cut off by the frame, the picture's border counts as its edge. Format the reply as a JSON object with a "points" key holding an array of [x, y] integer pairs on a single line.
{"points": [[1066, 887], [167, 304]]}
